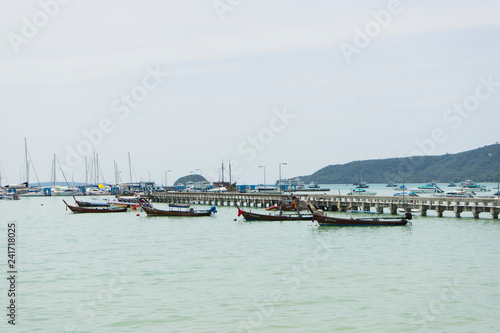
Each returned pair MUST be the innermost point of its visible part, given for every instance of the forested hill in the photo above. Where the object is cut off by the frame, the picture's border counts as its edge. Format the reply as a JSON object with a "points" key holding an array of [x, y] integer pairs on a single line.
{"points": [[480, 165], [190, 178]]}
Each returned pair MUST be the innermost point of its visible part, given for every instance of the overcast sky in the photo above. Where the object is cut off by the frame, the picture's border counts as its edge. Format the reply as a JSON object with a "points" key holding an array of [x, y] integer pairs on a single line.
{"points": [[182, 85]]}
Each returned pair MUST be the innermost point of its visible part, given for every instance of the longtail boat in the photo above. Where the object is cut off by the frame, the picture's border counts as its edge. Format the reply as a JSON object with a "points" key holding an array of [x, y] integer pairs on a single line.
{"points": [[286, 206], [324, 220], [77, 209], [91, 204], [175, 210], [249, 216]]}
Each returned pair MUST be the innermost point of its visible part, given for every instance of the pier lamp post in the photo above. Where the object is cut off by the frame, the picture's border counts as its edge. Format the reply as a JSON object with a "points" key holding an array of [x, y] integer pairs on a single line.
{"points": [[261, 166], [403, 179], [166, 173], [280, 174], [498, 177]]}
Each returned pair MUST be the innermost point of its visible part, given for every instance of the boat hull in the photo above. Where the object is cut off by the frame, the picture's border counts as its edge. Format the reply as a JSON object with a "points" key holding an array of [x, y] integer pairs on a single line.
{"points": [[249, 216], [91, 204], [159, 212], [95, 210], [359, 222]]}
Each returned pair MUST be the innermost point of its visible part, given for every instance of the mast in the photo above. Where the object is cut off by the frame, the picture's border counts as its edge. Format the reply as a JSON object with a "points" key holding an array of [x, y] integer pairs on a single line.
{"points": [[86, 172], [130, 167], [222, 171], [404, 187], [34, 169], [229, 172], [62, 171], [117, 174], [54, 170], [27, 161], [96, 169]]}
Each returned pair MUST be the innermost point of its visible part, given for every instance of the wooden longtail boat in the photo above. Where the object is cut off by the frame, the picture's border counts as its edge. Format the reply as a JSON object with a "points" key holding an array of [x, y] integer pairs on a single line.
{"points": [[324, 220], [76, 209], [249, 216], [91, 204], [285, 206], [133, 206], [176, 210]]}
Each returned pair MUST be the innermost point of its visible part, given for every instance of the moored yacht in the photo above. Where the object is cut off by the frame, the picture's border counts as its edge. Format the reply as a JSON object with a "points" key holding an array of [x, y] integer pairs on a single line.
{"points": [[360, 191]]}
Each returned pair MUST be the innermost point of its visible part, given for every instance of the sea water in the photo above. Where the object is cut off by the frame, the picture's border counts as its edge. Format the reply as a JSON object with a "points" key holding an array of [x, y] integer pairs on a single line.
{"points": [[127, 273]]}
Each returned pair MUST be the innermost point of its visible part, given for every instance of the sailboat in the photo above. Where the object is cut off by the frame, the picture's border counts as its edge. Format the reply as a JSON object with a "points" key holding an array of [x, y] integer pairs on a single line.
{"points": [[24, 189], [223, 186], [360, 188], [61, 190]]}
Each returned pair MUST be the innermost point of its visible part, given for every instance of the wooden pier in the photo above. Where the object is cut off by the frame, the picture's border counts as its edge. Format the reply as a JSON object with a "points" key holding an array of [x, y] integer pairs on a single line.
{"points": [[332, 202]]}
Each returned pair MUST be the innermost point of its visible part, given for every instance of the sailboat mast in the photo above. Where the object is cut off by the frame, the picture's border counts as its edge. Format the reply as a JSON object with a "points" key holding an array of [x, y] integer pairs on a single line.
{"points": [[229, 172], [222, 171], [27, 161], [117, 174], [97, 169], [86, 172], [404, 187], [54, 170], [130, 167]]}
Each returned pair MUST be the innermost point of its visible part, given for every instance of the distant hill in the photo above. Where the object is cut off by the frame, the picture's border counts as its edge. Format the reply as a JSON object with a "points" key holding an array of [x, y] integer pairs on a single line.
{"points": [[189, 178], [480, 165]]}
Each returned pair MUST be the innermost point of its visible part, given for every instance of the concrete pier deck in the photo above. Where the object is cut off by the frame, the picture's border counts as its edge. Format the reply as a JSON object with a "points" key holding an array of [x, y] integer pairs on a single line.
{"points": [[332, 202]]}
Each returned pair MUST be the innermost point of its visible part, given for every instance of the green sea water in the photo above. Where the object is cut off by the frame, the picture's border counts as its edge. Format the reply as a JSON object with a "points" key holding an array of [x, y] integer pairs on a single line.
{"points": [[127, 273]]}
